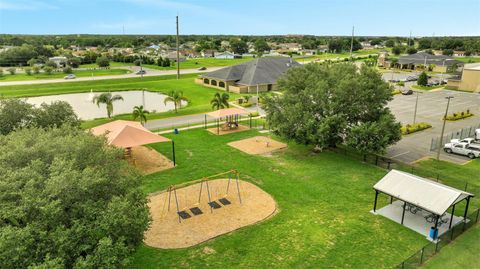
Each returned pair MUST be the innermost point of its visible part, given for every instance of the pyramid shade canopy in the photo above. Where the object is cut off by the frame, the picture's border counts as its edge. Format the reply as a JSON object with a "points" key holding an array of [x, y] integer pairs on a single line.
{"points": [[221, 113], [427, 194], [127, 134]]}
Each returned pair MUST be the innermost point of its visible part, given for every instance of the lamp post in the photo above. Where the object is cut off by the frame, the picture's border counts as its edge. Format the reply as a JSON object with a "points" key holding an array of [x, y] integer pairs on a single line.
{"points": [[443, 127], [415, 112]]}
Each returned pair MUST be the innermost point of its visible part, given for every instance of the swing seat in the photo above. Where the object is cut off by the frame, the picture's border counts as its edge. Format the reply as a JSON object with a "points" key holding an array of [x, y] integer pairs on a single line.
{"points": [[196, 211], [214, 205], [224, 201], [184, 214]]}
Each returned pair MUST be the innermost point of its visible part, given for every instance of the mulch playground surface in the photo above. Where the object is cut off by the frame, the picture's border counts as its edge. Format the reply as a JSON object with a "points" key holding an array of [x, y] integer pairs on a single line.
{"points": [[257, 145]]}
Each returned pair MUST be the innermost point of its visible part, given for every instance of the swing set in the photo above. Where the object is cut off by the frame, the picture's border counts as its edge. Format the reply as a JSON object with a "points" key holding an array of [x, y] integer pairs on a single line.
{"points": [[220, 200]]}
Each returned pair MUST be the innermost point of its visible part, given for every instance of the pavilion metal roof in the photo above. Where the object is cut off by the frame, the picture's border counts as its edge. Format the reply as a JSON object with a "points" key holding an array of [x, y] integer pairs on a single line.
{"points": [[424, 193], [221, 113]]}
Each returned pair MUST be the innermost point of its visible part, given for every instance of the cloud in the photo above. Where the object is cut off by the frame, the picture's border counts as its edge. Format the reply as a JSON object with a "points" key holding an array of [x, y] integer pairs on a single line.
{"points": [[25, 5]]}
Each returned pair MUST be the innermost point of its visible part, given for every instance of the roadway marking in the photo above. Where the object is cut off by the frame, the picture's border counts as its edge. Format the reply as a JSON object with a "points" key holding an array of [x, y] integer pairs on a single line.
{"points": [[400, 154]]}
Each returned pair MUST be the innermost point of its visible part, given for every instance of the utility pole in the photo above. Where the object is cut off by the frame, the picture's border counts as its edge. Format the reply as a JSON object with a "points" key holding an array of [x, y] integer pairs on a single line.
{"points": [[351, 43], [443, 127], [178, 54], [415, 113], [410, 38]]}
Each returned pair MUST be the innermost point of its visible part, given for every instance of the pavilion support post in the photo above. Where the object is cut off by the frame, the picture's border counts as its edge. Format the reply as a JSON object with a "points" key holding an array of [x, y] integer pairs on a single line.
{"points": [[403, 212], [466, 210], [451, 217], [173, 153], [375, 203]]}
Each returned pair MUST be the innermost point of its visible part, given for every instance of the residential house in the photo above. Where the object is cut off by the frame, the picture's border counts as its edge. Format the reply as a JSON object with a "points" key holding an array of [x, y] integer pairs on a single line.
{"points": [[60, 61], [209, 53], [259, 75], [459, 53], [227, 55]]}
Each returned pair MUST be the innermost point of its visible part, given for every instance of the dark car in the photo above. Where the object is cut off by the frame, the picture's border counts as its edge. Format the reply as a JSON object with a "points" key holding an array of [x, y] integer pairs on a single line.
{"points": [[141, 72], [202, 68], [407, 92]]}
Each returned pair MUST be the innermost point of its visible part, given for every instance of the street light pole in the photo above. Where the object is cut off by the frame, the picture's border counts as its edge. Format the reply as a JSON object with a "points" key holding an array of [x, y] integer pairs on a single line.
{"points": [[443, 127], [415, 113]]}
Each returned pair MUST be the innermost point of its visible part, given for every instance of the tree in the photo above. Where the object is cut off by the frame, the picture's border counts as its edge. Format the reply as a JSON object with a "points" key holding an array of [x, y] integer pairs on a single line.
{"points": [[89, 212], [390, 43], [140, 113], [1, 72], [176, 97], [36, 69], [102, 62], [28, 71], [220, 101], [67, 70], [12, 70], [411, 50], [397, 50], [107, 99], [160, 61], [74, 62], [166, 62], [14, 113], [448, 52], [17, 55], [51, 64], [55, 114], [238, 46], [48, 70], [422, 79], [261, 45], [322, 105]]}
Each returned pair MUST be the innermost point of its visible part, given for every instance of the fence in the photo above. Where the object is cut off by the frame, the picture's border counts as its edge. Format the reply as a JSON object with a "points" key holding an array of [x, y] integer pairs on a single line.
{"points": [[252, 122], [460, 134], [426, 252]]}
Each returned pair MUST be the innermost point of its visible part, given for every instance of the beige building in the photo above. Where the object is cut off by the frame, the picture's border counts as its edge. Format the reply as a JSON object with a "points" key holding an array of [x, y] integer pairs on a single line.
{"points": [[470, 79], [259, 75]]}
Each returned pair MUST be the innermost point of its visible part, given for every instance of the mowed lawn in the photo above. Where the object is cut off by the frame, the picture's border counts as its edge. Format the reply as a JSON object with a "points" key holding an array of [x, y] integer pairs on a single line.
{"points": [[79, 73], [199, 97], [323, 221], [462, 253]]}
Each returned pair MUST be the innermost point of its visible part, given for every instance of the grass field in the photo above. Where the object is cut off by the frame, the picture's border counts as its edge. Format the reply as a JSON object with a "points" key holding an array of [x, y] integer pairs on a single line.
{"points": [[78, 73], [468, 59], [327, 56], [324, 201], [426, 88], [199, 96], [462, 253]]}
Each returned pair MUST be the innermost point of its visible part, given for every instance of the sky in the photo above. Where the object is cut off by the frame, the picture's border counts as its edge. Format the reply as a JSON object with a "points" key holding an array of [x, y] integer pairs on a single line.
{"points": [[242, 17]]}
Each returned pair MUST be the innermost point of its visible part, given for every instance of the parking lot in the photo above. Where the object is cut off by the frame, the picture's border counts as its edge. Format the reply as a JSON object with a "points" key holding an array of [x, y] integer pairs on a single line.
{"points": [[431, 108]]}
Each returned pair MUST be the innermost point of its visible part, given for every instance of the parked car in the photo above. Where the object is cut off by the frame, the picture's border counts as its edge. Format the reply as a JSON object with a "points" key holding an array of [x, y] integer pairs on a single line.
{"points": [[141, 72], [462, 149], [477, 135], [469, 141], [70, 76], [407, 92], [202, 68], [411, 78]]}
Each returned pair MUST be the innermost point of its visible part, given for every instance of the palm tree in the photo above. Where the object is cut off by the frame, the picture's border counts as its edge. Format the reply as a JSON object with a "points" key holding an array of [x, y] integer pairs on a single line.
{"points": [[176, 97], [140, 113], [107, 99], [220, 101]]}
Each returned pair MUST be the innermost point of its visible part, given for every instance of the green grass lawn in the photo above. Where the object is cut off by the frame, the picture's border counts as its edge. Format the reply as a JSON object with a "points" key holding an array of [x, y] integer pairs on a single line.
{"points": [[462, 253], [78, 73], [426, 88], [199, 96], [324, 202], [468, 59]]}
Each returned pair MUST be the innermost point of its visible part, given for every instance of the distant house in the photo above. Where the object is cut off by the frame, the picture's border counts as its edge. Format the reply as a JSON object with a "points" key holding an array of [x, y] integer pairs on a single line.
{"points": [[227, 55], [172, 56], [153, 47], [208, 53], [470, 79], [259, 75], [414, 61], [60, 61], [459, 53]]}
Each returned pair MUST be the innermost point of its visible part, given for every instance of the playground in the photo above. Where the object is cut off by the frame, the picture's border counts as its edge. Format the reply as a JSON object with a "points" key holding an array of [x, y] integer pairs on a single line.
{"points": [[257, 145], [197, 211]]}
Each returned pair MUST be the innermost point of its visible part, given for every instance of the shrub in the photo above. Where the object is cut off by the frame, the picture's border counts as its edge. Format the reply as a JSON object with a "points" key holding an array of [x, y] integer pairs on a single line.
{"points": [[28, 71], [422, 79], [396, 91], [459, 116], [408, 129], [67, 70], [401, 83], [51, 64], [12, 70], [137, 62], [246, 104], [36, 70], [102, 61], [254, 114], [48, 70], [1, 72]]}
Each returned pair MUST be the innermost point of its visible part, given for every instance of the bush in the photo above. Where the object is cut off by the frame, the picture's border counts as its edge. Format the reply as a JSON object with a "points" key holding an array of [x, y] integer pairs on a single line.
{"points": [[28, 71], [459, 116], [246, 104], [422, 79], [67, 70], [51, 64], [102, 62], [408, 129], [12, 70], [1, 72], [253, 114], [396, 91], [401, 83], [48, 70], [36, 70]]}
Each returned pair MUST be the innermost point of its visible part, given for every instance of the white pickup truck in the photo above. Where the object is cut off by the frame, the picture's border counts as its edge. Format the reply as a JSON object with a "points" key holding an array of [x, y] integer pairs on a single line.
{"points": [[464, 149]]}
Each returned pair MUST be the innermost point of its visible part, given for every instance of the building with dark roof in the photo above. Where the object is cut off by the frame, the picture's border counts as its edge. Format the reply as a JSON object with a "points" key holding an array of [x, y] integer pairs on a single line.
{"points": [[260, 74], [440, 63]]}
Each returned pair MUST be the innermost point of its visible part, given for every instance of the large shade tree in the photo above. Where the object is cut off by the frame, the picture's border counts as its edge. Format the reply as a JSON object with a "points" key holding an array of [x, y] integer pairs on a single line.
{"points": [[59, 209], [328, 105]]}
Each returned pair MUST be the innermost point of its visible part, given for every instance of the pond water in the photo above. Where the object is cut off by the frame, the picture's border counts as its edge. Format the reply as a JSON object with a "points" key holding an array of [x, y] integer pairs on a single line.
{"points": [[84, 107]]}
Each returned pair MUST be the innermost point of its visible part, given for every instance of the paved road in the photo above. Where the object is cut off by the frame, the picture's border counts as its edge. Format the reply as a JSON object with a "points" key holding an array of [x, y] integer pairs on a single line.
{"points": [[150, 73], [431, 108]]}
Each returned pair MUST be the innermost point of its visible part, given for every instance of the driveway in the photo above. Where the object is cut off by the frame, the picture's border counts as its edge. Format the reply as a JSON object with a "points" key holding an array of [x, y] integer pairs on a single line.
{"points": [[150, 73], [431, 108]]}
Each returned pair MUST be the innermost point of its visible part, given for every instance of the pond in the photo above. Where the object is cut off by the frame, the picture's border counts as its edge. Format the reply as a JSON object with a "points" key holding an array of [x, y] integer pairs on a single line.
{"points": [[84, 107]]}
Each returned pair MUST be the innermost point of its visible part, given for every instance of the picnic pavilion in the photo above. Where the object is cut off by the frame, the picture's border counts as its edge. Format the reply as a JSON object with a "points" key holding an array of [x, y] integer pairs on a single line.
{"points": [[420, 204], [231, 124]]}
